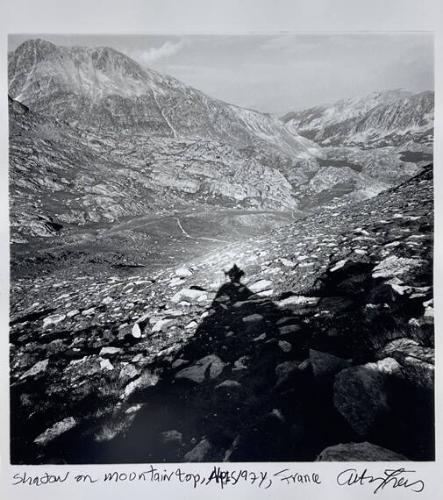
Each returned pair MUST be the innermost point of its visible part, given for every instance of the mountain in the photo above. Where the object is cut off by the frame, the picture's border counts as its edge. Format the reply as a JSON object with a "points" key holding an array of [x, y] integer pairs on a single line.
{"points": [[96, 138], [379, 119], [104, 89]]}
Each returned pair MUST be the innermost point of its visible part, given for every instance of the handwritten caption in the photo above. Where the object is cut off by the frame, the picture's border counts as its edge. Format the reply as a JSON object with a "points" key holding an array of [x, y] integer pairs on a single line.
{"points": [[228, 478]]}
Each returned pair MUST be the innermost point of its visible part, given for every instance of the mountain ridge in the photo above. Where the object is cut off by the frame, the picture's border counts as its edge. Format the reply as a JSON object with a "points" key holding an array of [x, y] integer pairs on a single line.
{"points": [[368, 120]]}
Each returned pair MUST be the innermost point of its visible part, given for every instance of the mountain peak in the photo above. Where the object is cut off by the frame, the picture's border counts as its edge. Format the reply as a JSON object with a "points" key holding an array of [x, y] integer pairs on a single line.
{"points": [[101, 87]]}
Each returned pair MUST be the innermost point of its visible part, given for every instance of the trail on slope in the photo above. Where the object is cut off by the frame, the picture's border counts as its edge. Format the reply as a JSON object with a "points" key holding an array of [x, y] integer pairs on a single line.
{"points": [[182, 229]]}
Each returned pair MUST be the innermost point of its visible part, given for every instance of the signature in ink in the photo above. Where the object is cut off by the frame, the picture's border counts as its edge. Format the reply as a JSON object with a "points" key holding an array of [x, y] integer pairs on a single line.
{"points": [[393, 478]]}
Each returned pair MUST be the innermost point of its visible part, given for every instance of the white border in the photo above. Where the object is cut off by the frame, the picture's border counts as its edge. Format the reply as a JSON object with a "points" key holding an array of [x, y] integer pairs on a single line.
{"points": [[210, 17]]}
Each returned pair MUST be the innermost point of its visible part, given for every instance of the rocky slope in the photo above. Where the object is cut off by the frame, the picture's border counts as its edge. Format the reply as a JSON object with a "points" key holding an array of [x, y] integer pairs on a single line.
{"points": [[62, 176], [324, 350]]}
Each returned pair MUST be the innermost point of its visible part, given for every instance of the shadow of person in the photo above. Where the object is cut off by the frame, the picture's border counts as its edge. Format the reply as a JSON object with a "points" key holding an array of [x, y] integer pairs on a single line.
{"points": [[256, 381], [221, 383]]}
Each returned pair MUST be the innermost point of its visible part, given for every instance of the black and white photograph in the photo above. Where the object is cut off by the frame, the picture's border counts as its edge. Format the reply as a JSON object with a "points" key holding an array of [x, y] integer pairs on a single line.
{"points": [[221, 247]]}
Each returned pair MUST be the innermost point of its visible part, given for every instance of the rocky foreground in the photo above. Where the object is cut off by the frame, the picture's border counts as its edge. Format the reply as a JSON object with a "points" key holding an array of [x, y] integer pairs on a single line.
{"points": [[324, 350]]}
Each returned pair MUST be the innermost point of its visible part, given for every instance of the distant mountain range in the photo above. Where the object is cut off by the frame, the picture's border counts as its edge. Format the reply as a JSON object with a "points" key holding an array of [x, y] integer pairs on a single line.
{"points": [[94, 137], [382, 118]]}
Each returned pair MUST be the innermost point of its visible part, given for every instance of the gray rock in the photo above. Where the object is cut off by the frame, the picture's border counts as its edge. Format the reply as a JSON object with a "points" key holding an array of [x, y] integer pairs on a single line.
{"points": [[200, 452], [287, 262], [161, 325], [395, 266], [183, 272], [261, 286], [109, 351], [289, 329], [128, 372], [284, 346], [172, 438], [358, 452], [361, 396], [105, 364], [136, 331], [208, 367], [39, 367], [55, 319], [417, 362], [55, 431], [241, 363], [285, 369], [253, 318], [298, 300], [147, 379], [326, 365], [190, 295]]}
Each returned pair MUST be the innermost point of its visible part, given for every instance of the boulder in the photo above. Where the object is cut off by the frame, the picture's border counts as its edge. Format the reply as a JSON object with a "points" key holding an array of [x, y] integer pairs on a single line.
{"points": [[261, 286], [136, 331], [326, 365], [284, 346], [287, 262], [289, 329], [109, 351], [208, 367], [161, 325], [183, 272], [105, 364], [39, 367], [230, 389], [361, 394], [253, 318], [200, 452], [358, 452], [55, 319], [55, 431], [128, 372], [395, 266], [190, 295], [417, 362], [172, 438], [147, 379], [298, 300], [284, 370]]}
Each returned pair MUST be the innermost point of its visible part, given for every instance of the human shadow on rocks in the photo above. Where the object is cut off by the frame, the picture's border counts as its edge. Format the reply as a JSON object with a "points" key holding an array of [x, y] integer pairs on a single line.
{"points": [[241, 390], [258, 382]]}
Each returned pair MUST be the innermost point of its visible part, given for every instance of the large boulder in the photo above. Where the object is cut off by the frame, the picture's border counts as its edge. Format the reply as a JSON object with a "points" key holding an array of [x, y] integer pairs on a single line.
{"points": [[358, 452], [361, 394]]}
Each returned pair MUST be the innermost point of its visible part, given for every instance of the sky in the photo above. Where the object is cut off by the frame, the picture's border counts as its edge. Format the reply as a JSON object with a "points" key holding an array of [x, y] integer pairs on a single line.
{"points": [[277, 73]]}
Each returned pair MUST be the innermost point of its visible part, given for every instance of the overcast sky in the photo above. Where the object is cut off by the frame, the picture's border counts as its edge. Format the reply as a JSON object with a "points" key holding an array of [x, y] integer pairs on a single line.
{"points": [[278, 73]]}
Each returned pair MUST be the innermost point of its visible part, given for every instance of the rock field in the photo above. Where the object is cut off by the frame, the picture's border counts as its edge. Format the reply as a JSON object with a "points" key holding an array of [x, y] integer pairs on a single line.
{"points": [[323, 351]]}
